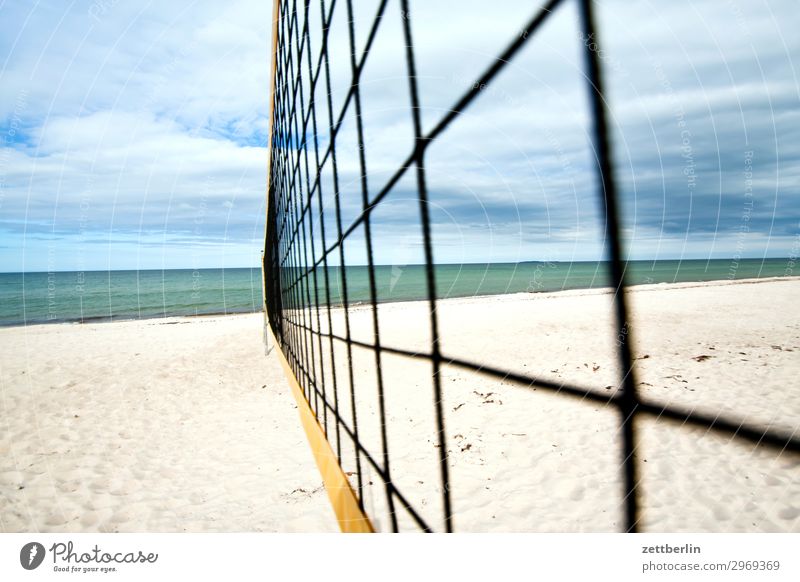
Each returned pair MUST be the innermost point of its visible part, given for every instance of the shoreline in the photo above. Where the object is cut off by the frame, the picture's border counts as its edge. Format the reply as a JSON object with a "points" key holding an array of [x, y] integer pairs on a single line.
{"points": [[123, 319], [581, 291], [360, 305]]}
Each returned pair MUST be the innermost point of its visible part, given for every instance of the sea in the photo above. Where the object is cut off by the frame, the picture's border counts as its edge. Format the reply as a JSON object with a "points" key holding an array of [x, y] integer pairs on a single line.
{"points": [[75, 297]]}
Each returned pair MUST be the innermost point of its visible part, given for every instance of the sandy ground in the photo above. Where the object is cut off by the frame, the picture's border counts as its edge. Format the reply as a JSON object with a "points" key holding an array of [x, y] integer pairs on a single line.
{"points": [[528, 460], [158, 425], [183, 424]]}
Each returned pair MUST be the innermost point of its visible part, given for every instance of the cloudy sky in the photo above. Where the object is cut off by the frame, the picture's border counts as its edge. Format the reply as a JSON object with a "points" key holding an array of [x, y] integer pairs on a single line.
{"points": [[134, 134]]}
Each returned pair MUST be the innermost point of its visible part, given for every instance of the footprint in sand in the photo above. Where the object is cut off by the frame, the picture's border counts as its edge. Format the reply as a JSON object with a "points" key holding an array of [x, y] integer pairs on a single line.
{"points": [[665, 471], [750, 507], [78, 474], [720, 513], [789, 513], [168, 473], [92, 518], [120, 488], [13, 477], [120, 517], [98, 502], [100, 485], [37, 468], [577, 493], [57, 519], [69, 486]]}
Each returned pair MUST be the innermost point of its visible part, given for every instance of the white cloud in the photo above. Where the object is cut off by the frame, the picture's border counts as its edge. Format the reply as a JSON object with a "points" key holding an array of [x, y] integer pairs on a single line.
{"points": [[157, 113]]}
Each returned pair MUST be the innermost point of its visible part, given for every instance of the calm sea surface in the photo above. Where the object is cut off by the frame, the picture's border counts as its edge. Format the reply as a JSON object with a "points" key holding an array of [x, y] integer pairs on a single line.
{"points": [[108, 295]]}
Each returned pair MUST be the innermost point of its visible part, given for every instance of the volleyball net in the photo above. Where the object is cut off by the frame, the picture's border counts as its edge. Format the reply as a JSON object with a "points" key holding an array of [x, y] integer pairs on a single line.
{"points": [[305, 259]]}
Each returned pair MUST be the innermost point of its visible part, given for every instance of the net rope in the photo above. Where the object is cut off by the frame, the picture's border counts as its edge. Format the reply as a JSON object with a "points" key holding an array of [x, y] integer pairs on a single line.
{"points": [[297, 277]]}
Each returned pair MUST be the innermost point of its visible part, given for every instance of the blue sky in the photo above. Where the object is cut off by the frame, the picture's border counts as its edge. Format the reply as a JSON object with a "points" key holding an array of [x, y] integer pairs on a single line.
{"points": [[134, 134]]}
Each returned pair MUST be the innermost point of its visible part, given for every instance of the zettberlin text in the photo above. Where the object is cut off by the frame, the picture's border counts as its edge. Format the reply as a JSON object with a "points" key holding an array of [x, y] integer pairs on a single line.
{"points": [[667, 549]]}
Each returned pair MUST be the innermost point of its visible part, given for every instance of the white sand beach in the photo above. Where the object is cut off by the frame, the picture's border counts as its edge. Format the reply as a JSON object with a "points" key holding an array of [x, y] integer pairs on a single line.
{"points": [[152, 426], [185, 425], [531, 460]]}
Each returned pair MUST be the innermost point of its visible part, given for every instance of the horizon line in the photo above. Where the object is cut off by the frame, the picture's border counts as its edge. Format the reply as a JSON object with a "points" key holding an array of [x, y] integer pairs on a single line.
{"points": [[682, 259]]}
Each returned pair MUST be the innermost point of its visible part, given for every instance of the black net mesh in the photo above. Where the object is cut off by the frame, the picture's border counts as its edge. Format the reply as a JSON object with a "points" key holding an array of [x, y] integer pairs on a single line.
{"points": [[304, 257]]}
